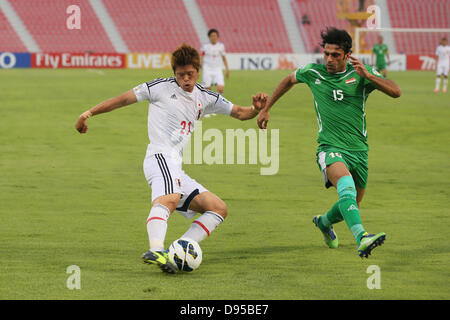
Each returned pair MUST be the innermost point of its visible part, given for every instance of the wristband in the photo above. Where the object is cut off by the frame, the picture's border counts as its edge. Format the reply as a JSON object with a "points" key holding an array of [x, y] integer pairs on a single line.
{"points": [[86, 114]]}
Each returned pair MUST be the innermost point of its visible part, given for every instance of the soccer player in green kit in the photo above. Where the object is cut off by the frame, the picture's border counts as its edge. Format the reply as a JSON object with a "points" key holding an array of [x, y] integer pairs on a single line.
{"points": [[340, 88], [380, 50]]}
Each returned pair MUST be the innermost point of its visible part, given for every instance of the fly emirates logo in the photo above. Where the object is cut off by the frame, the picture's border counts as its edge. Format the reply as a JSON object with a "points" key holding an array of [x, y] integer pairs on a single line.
{"points": [[82, 60]]}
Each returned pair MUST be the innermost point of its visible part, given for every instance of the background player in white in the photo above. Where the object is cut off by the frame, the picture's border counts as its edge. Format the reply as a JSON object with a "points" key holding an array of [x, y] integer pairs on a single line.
{"points": [[443, 53], [175, 106], [212, 57]]}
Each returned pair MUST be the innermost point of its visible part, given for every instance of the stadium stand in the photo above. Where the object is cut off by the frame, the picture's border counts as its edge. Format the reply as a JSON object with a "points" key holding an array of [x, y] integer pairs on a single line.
{"points": [[9, 41], [47, 25], [247, 26], [156, 26], [418, 14], [253, 26], [315, 15]]}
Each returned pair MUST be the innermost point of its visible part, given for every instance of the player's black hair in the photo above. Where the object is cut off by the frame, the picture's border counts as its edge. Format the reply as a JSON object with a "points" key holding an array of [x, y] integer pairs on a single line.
{"points": [[341, 38], [212, 31], [185, 55]]}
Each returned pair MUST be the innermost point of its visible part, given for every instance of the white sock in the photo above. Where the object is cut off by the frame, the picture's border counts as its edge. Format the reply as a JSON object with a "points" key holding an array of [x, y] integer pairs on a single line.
{"points": [[438, 83], [445, 83], [203, 226], [157, 226]]}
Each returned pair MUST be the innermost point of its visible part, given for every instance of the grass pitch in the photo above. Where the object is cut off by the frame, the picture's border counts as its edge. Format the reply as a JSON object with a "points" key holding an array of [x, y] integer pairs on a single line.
{"points": [[70, 199]]}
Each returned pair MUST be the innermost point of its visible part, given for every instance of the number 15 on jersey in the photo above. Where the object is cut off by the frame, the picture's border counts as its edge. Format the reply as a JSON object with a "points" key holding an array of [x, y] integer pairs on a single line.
{"points": [[338, 95]]}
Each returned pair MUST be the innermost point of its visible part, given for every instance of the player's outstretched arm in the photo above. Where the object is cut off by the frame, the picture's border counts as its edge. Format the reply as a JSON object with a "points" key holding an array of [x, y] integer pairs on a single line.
{"points": [[227, 70], [386, 86], [284, 86], [124, 99], [246, 113]]}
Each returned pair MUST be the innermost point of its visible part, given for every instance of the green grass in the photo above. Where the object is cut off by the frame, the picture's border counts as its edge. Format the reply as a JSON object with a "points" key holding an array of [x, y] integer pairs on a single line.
{"points": [[70, 199]]}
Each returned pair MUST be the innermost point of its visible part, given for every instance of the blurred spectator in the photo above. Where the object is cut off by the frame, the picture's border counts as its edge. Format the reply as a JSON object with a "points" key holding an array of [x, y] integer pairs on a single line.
{"points": [[362, 5], [305, 19]]}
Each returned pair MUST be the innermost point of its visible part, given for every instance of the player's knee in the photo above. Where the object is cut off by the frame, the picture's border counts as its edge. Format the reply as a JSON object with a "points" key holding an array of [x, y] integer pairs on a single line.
{"points": [[220, 208], [170, 201]]}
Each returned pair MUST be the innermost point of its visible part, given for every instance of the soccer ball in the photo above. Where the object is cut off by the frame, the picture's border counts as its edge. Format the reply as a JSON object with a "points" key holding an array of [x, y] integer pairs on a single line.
{"points": [[186, 254]]}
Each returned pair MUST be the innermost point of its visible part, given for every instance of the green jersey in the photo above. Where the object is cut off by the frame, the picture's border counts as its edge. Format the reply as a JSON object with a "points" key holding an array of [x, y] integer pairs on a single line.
{"points": [[340, 101], [380, 51]]}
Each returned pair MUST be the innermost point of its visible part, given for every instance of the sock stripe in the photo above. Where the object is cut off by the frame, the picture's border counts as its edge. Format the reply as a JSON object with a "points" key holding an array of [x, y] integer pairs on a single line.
{"points": [[202, 225], [152, 218], [216, 215]]}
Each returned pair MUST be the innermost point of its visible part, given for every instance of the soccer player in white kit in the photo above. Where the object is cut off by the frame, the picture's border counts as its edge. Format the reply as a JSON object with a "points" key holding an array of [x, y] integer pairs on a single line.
{"points": [[212, 57], [443, 53], [176, 104]]}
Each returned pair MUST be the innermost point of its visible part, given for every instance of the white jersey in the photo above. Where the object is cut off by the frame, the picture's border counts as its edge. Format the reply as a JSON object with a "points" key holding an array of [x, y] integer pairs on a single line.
{"points": [[212, 55], [443, 54], [173, 113]]}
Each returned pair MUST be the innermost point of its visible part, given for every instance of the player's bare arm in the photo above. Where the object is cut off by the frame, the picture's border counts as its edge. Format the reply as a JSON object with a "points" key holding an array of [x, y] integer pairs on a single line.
{"points": [[386, 86], [284, 86], [246, 113], [227, 70], [124, 99]]}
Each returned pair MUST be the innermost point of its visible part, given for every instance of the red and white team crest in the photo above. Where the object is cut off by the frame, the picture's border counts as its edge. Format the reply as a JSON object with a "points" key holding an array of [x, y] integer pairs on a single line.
{"points": [[200, 108], [178, 182]]}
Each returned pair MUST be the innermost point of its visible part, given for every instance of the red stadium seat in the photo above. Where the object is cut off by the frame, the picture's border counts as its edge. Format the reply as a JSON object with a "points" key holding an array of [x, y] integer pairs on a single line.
{"points": [[46, 21], [253, 26], [418, 14], [247, 25], [9, 41], [321, 14], [152, 26]]}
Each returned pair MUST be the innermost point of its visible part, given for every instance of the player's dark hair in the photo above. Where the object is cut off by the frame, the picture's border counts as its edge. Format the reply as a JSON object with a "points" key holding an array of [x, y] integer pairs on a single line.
{"points": [[212, 31], [341, 38], [185, 55]]}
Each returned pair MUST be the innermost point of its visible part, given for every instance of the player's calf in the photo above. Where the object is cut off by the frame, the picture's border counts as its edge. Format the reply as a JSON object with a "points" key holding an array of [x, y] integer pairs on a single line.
{"points": [[214, 211]]}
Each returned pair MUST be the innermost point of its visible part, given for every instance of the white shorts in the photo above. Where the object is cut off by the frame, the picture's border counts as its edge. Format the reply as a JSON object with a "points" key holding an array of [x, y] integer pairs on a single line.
{"points": [[165, 176], [212, 78], [442, 70]]}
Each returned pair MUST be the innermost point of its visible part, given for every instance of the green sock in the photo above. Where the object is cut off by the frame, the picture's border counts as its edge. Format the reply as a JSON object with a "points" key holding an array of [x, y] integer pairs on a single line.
{"points": [[349, 208], [331, 217]]}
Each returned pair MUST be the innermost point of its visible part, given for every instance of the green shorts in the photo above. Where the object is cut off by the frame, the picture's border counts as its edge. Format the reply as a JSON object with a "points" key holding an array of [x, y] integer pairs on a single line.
{"points": [[380, 67], [355, 161]]}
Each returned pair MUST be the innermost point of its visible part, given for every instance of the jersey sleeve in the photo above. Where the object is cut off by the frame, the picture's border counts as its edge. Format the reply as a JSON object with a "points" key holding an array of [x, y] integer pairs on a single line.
{"points": [[218, 104], [149, 90], [222, 51], [142, 92], [301, 73], [368, 85]]}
